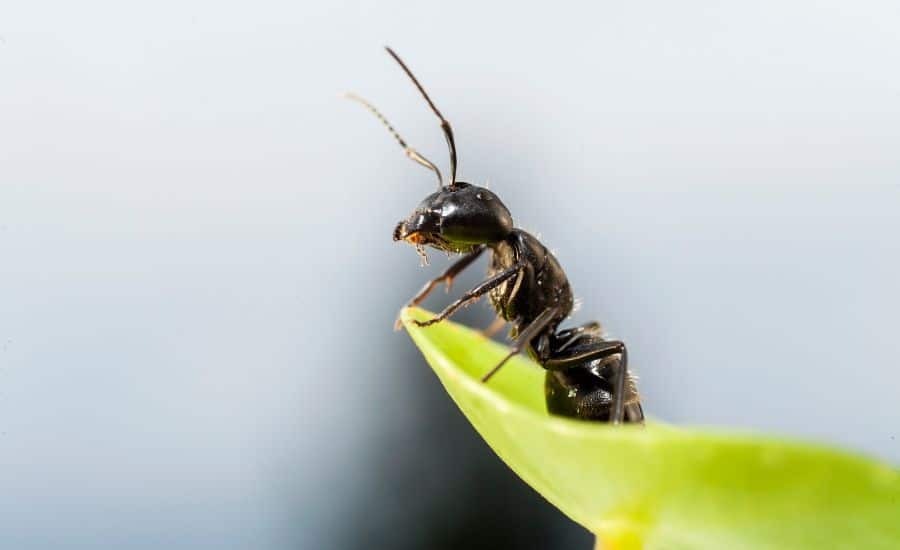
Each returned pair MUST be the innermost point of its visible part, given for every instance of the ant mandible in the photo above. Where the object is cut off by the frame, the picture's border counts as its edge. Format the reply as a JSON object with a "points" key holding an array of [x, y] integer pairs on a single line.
{"points": [[587, 376]]}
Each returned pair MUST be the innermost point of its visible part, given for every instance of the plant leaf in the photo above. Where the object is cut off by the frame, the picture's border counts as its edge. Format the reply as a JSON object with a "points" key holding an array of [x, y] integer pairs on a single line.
{"points": [[660, 486]]}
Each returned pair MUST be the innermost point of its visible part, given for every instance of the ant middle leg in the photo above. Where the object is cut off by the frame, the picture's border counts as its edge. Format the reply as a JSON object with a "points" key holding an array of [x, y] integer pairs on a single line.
{"points": [[532, 330]]}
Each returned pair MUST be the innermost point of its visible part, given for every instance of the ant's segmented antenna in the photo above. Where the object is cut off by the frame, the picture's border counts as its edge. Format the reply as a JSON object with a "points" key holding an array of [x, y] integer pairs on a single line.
{"points": [[445, 126], [410, 152]]}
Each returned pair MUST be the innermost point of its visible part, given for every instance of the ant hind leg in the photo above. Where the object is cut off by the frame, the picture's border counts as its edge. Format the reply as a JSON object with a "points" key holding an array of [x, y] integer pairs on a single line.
{"points": [[601, 350], [571, 335]]}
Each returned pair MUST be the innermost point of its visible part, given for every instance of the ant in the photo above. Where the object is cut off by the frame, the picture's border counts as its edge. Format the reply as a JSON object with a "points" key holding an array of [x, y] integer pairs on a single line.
{"points": [[587, 376]]}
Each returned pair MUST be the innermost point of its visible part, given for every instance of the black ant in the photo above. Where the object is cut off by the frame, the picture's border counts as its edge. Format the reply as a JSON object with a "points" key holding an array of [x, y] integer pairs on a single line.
{"points": [[587, 375]]}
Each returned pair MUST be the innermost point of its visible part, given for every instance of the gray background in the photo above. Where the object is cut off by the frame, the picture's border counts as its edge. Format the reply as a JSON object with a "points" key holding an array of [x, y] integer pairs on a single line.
{"points": [[197, 281]]}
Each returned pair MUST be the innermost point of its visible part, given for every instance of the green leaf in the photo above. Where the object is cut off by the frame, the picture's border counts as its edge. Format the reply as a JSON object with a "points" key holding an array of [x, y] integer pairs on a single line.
{"points": [[660, 486]]}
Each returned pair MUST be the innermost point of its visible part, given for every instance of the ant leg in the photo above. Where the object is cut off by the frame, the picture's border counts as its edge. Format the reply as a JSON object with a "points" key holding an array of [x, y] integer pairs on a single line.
{"points": [[570, 335], [602, 351], [535, 328], [592, 327], [619, 398], [473, 295], [495, 327], [446, 277]]}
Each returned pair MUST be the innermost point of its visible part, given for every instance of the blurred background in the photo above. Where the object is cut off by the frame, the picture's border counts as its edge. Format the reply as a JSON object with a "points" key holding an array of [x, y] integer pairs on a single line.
{"points": [[198, 282]]}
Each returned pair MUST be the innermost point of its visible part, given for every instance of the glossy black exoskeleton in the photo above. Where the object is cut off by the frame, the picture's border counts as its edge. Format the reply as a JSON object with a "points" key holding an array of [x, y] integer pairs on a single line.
{"points": [[587, 375]]}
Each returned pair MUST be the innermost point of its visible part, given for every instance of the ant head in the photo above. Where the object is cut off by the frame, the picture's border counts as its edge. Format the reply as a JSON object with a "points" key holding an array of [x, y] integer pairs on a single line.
{"points": [[459, 216], [456, 218]]}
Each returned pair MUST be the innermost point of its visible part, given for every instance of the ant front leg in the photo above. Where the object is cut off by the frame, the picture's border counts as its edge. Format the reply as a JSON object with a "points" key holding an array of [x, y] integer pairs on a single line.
{"points": [[602, 351], [446, 277], [473, 295]]}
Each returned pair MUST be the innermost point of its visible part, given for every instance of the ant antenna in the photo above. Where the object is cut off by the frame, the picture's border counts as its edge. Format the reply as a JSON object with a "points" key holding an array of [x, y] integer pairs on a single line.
{"points": [[410, 152], [445, 126]]}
